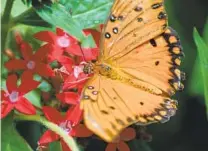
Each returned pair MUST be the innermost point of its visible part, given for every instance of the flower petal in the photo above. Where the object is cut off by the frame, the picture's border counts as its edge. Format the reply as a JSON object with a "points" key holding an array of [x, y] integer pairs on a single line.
{"points": [[90, 53], [74, 49], [60, 32], [48, 137], [24, 106], [72, 81], [26, 50], [122, 146], [43, 70], [81, 131], [68, 97], [111, 147], [74, 114], [128, 134], [42, 52], [67, 63], [55, 53], [27, 78], [64, 146], [11, 83], [46, 36], [6, 107], [52, 114], [16, 64], [4, 96]]}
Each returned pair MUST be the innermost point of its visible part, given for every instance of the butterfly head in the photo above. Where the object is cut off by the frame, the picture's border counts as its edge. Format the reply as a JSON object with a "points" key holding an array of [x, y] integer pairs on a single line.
{"points": [[88, 68]]}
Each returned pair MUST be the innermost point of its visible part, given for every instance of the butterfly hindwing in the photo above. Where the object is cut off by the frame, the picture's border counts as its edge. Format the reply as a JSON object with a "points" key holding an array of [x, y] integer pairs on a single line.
{"points": [[117, 105]]}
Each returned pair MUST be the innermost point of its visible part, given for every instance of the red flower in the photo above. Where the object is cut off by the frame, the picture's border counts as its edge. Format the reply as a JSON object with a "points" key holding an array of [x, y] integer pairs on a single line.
{"points": [[13, 97], [75, 77], [61, 41], [69, 123], [68, 97], [31, 62], [127, 135]]}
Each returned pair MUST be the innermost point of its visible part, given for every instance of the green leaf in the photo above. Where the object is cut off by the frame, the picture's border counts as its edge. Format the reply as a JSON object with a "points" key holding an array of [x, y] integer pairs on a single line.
{"points": [[203, 59], [88, 42], [89, 13], [11, 140], [196, 86], [30, 17], [58, 16], [45, 86], [205, 34], [55, 146], [34, 98]]}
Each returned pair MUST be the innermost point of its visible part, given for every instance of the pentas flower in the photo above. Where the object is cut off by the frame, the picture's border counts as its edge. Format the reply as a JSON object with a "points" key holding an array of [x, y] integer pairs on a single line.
{"points": [[31, 62], [119, 144], [61, 41], [68, 97], [13, 97], [70, 123], [75, 77]]}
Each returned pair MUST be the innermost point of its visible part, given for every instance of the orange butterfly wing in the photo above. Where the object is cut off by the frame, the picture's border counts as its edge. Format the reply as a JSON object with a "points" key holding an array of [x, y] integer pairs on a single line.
{"points": [[137, 44], [131, 23], [110, 106], [156, 63]]}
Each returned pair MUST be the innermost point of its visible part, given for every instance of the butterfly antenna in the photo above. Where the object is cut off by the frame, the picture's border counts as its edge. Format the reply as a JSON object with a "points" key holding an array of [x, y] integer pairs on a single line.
{"points": [[83, 54]]}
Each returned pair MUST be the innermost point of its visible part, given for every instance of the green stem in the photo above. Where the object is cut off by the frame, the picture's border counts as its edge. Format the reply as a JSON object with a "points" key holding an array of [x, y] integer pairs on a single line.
{"points": [[68, 139], [5, 22]]}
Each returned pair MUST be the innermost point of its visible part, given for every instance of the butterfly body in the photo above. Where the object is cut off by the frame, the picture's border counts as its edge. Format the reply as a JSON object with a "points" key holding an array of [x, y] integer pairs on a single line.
{"points": [[137, 71]]}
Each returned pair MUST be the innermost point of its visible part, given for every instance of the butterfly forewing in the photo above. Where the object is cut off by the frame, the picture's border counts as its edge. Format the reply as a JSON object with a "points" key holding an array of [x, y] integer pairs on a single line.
{"points": [[131, 23], [156, 62]]}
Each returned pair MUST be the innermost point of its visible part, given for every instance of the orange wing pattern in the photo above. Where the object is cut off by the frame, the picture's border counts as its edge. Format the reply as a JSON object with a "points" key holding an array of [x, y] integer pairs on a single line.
{"points": [[131, 23], [156, 63], [145, 55], [110, 106]]}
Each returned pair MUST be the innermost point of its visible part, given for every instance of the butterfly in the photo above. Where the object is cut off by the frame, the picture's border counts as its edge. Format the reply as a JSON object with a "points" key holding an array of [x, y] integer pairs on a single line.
{"points": [[137, 71]]}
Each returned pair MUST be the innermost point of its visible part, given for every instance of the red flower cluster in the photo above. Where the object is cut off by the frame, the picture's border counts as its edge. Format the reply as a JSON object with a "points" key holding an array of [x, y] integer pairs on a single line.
{"points": [[67, 51], [68, 80]]}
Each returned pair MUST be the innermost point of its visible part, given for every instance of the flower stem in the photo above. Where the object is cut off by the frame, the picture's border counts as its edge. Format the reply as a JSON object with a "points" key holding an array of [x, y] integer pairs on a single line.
{"points": [[68, 139], [5, 22]]}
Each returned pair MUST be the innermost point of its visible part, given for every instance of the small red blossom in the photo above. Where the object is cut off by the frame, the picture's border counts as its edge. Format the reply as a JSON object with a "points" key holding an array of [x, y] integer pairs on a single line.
{"points": [[68, 97], [13, 97], [75, 77], [61, 41], [31, 62], [126, 135], [70, 123]]}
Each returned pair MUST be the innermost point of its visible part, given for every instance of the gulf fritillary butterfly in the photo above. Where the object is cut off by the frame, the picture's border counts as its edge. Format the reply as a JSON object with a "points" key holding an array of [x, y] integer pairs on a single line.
{"points": [[136, 72]]}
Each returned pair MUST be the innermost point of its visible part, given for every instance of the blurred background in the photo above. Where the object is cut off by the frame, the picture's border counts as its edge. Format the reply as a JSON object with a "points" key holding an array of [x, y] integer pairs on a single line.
{"points": [[188, 129]]}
